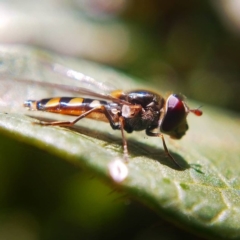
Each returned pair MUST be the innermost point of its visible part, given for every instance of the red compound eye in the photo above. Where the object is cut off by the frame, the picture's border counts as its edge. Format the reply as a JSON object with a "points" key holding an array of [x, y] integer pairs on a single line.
{"points": [[175, 113]]}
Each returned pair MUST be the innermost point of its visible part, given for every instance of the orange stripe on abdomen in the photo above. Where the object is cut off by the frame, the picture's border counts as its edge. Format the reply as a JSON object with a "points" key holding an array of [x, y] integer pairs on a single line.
{"points": [[71, 106], [63, 105]]}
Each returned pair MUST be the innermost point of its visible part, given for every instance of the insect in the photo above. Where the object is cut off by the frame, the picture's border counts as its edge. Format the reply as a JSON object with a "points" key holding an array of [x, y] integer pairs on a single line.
{"points": [[128, 111]]}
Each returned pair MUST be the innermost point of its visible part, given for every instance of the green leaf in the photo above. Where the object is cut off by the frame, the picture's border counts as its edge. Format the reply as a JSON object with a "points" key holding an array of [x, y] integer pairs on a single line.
{"points": [[203, 198]]}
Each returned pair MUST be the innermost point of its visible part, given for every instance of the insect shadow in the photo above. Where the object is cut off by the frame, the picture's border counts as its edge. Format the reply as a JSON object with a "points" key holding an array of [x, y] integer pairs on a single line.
{"points": [[135, 147]]}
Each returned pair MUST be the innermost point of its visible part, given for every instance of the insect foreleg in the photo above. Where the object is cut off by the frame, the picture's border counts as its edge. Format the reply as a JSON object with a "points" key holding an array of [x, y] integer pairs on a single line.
{"points": [[152, 134]]}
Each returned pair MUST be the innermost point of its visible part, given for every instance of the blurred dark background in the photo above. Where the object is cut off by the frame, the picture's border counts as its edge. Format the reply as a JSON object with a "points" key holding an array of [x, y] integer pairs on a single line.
{"points": [[184, 46]]}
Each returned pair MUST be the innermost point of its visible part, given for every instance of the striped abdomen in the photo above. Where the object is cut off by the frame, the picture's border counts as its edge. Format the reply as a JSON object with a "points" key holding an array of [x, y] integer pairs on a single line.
{"points": [[68, 106]]}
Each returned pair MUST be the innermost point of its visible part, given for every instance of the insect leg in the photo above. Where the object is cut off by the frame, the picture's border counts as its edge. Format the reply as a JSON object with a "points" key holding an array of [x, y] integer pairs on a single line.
{"points": [[115, 125], [149, 133], [125, 148], [101, 109]]}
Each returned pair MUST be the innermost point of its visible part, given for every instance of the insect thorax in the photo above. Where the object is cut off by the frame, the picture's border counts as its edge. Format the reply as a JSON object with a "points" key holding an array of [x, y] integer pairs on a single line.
{"points": [[144, 120], [147, 112]]}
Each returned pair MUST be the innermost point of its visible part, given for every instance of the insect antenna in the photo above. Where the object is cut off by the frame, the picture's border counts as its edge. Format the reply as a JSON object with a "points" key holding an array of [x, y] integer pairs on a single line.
{"points": [[196, 111]]}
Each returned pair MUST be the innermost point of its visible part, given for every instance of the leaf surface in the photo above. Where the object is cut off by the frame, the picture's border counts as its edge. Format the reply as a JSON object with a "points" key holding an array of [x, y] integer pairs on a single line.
{"points": [[202, 198]]}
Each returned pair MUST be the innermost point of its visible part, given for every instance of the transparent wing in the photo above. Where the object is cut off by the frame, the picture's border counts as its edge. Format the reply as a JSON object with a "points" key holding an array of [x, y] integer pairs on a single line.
{"points": [[44, 77], [14, 91], [83, 80]]}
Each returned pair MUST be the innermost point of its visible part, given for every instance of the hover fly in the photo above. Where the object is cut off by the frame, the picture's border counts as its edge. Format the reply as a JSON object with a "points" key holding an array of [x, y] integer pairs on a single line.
{"points": [[129, 111]]}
